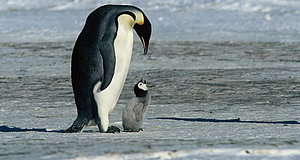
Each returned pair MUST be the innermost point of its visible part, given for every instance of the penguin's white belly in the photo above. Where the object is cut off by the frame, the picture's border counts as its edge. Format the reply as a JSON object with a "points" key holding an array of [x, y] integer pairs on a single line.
{"points": [[107, 99]]}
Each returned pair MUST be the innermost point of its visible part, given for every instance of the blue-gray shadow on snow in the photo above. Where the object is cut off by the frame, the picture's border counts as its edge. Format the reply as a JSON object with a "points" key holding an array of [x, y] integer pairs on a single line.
{"points": [[17, 129], [238, 120]]}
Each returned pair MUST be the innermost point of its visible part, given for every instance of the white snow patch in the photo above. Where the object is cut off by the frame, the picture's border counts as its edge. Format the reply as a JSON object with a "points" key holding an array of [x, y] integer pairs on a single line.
{"points": [[205, 153]]}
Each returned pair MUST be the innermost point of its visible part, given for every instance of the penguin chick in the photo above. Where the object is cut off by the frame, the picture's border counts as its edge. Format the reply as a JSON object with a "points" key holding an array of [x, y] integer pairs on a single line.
{"points": [[135, 111]]}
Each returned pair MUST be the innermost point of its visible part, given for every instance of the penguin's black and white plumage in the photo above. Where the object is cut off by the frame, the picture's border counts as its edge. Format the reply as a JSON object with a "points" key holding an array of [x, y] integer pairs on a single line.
{"points": [[100, 62], [135, 111]]}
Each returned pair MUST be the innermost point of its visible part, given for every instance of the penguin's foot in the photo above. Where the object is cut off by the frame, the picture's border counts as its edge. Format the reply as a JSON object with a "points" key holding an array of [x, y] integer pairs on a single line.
{"points": [[129, 130], [77, 125], [113, 129], [73, 129]]}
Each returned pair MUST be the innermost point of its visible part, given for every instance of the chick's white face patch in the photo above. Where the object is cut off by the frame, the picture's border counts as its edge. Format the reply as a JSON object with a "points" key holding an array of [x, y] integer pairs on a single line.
{"points": [[142, 86]]}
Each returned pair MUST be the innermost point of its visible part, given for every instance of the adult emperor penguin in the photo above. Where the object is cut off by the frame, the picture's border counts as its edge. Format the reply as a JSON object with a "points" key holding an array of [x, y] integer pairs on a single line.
{"points": [[100, 62]]}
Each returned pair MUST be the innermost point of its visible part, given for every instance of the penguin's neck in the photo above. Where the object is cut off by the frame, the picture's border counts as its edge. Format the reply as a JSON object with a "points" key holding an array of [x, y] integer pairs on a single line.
{"points": [[123, 45], [123, 49], [145, 99]]}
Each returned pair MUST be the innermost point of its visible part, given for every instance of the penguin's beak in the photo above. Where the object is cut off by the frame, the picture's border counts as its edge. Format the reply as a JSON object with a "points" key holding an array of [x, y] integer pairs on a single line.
{"points": [[143, 81], [144, 32]]}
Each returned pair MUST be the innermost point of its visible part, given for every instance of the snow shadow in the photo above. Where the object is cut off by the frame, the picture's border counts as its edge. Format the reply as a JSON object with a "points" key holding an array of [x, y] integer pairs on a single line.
{"points": [[238, 120], [17, 129]]}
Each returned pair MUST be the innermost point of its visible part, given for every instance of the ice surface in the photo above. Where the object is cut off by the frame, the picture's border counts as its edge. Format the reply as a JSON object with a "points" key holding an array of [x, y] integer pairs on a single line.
{"points": [[232, 90], [207, 153], [197, 87]]}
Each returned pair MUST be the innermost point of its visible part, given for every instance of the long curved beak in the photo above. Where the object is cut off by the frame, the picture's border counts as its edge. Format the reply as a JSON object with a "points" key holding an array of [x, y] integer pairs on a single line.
{"points": [[144, 32]]}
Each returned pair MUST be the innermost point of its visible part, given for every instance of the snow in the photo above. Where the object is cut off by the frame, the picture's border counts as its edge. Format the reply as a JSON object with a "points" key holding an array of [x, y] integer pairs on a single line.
{"points": [[220, 72], [206, 153]]}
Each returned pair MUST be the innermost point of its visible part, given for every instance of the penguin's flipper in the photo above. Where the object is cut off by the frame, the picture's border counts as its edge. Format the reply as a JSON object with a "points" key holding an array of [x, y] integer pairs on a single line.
{"points": [[139, 110], [109, 60]]}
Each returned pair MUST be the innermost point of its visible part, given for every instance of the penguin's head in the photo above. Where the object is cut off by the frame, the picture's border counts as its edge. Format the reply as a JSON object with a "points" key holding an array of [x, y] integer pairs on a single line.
{"points": [[141, 89], [131, 15], [141, 25], [143, 29]]}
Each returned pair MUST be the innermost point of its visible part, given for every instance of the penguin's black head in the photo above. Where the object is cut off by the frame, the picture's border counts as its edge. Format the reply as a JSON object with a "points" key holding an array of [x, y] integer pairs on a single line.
{"points": [[140, 89], [143, 30]]}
